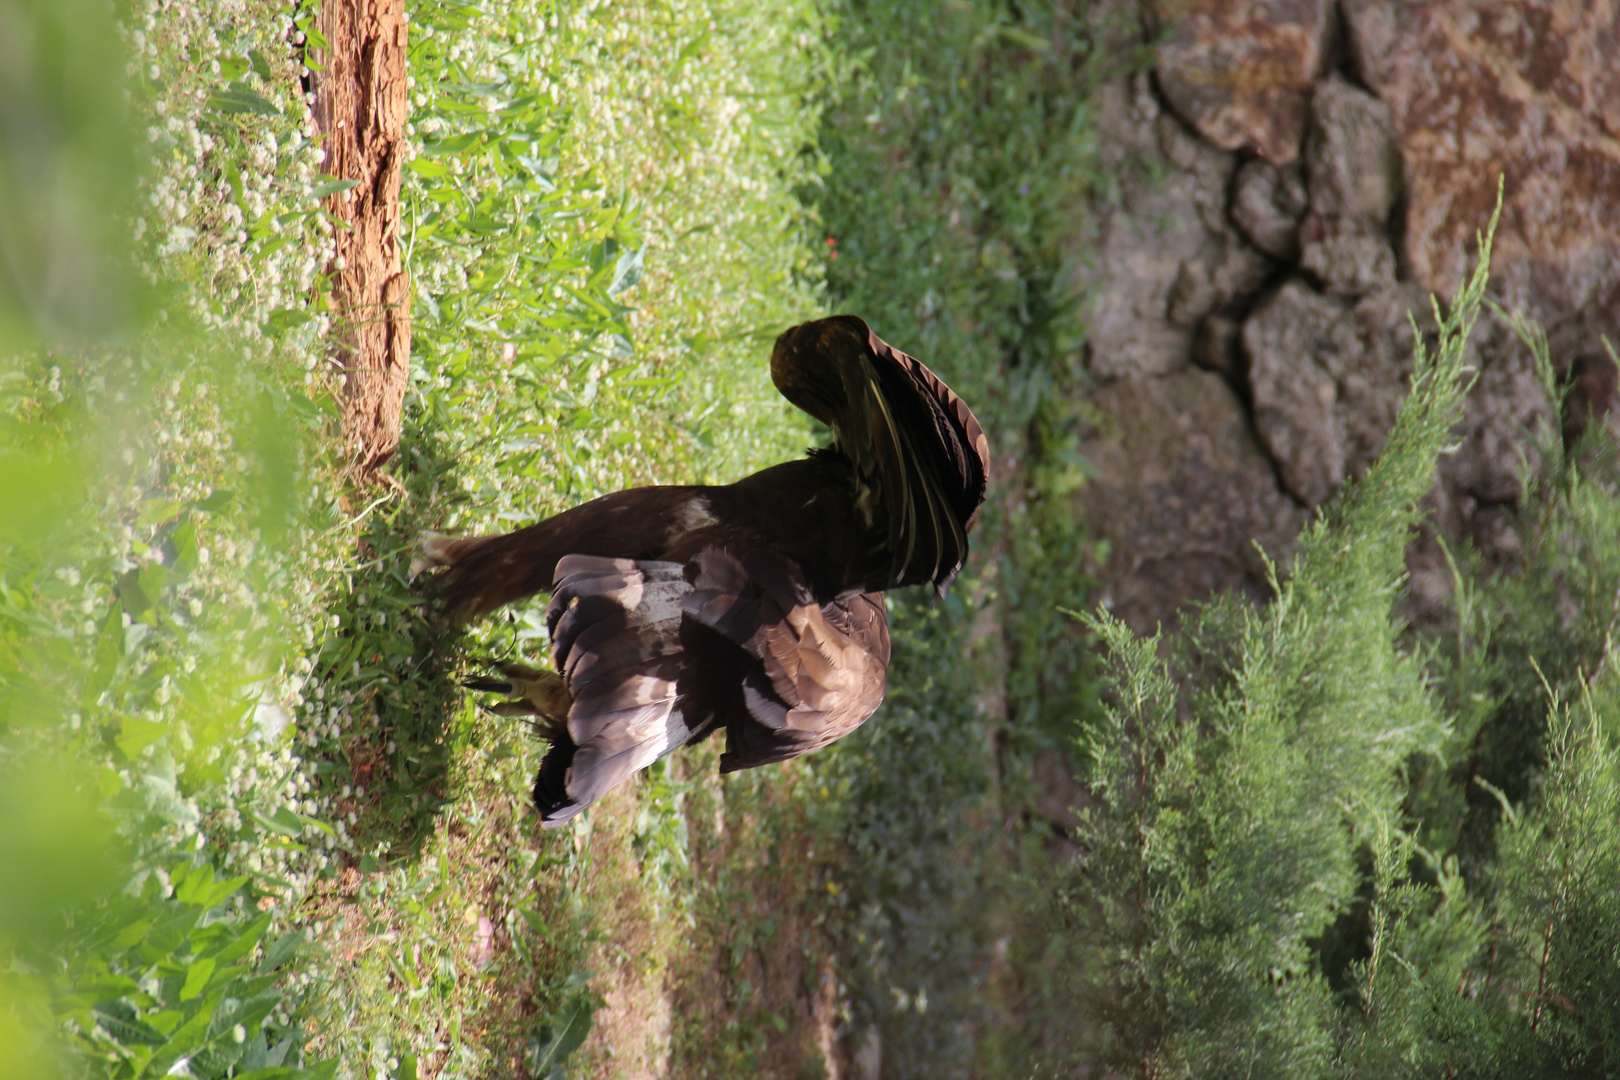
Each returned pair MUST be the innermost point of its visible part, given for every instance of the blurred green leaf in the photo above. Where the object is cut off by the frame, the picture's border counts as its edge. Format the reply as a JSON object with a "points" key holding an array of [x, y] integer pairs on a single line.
{"points": [[283, 949], [126, 1028], [626, 271], [136, 735], [159, 511], [561, 1034], [54, 846], [197, 976], [284, 319], [331, 187], [239, 99], [216, 502], [200, 887]]}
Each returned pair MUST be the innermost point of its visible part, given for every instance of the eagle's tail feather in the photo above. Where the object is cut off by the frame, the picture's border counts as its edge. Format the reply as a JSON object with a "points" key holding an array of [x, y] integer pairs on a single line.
{"points": [[482, 573], [551, 783]]}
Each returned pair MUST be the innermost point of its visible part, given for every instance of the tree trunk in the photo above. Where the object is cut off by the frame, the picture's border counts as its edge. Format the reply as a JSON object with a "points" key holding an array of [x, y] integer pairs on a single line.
{"points": [[360, 109]]}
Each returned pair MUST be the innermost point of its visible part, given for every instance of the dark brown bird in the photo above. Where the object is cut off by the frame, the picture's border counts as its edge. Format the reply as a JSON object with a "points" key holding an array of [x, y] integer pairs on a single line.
{"points": [[756, 607]]}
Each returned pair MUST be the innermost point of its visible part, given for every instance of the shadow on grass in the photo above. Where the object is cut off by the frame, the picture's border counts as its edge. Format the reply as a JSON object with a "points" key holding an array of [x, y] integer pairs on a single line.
{"points": [[390, 661]]}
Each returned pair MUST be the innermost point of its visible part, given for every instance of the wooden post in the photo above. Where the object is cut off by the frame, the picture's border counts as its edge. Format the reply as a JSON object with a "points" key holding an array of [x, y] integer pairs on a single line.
{"points": [[360, 108]]}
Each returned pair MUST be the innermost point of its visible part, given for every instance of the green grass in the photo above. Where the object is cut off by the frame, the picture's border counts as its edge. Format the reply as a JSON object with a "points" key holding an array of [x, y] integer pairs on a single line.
{"points": [[603, 250], [696, 905], [194, 572], [960, 157]]}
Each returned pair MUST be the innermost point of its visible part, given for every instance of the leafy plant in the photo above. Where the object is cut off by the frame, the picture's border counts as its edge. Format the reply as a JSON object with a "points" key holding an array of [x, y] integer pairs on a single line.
{"points": [[173, 975]]}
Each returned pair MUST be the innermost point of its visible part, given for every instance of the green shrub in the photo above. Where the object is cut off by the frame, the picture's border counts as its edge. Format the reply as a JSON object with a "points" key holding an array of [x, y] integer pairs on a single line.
{"points": [[1231, 812], [1321, 848]]}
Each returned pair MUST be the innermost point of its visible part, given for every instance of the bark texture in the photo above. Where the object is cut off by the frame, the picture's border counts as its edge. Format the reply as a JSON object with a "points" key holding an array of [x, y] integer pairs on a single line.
{"points": [[360, 109]]}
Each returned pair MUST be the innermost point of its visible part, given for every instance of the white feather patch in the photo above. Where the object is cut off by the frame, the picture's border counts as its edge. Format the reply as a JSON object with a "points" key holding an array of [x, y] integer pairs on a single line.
{"points": [[693, 515]]}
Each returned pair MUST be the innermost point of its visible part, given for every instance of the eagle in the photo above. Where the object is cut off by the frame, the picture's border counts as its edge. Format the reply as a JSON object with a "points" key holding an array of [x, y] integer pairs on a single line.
{"points": [[754, 607]]}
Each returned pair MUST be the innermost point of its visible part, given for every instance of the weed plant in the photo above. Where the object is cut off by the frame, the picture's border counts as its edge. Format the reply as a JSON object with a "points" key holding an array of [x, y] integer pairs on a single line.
{"points": [[155, 427]]}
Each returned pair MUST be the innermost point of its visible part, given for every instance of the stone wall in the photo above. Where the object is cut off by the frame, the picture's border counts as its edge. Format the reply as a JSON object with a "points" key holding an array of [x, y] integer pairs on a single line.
{"points": [[1290, 181]]}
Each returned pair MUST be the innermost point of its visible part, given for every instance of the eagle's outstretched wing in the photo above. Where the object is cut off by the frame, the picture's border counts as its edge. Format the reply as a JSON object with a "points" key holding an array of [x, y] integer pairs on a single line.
{"points": [[921, 457]]}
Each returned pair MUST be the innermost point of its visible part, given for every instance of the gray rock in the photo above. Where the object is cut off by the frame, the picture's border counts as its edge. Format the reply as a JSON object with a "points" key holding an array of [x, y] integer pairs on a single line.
{"points": [[1353, 170], [1164, 254], [1186, 239], [1369, 356], [1136, 239], [1494, 441], [1351, 157], [1182, 492], [1217, 346], [1347, 261], [1294, 395], [1327, 380], [1593, 400], [1268, 204], [1222, 270]]}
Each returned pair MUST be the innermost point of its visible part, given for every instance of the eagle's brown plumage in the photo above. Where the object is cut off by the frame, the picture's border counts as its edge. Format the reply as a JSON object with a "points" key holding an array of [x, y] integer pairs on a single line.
{"points": [[756, 607]]}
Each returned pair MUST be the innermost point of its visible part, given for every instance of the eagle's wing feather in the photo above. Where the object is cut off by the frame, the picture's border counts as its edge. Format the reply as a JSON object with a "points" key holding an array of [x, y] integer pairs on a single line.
{"points": [[615, 628], [814, 671], [920, 456]]}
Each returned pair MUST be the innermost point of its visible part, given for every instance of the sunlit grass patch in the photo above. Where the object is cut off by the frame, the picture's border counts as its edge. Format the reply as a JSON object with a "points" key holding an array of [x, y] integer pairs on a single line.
{"points": [[606, 228], [961, 158], [603, 242]]}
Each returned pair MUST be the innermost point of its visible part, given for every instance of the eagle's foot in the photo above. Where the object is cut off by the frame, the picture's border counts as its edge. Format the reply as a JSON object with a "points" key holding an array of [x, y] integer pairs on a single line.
{"points": [[531, 692]]}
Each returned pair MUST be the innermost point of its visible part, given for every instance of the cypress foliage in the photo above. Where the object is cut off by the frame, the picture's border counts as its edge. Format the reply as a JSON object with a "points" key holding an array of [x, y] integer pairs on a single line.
{"points": [[1317, 848], [1504, 961], [1238, 784], [1517, 636], [1527, 985]]}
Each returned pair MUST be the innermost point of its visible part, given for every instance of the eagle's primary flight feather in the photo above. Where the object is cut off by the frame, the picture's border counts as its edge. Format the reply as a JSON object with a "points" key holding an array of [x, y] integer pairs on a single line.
{"points": [[754, 607]]}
